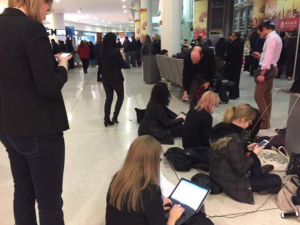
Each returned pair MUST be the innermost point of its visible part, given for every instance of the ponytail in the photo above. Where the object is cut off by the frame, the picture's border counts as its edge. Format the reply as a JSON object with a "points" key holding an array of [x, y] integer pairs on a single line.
{"points": [[229, 115], [239, 112]]}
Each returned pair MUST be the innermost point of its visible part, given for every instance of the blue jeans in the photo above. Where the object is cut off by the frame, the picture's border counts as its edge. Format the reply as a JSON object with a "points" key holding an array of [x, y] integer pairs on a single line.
{"points": [[92, 62], [37, 166], [127, 60]]}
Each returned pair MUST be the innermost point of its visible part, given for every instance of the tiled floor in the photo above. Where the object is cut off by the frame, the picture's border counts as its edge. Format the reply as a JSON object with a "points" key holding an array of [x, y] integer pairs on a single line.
{"points": [[94, 153]]}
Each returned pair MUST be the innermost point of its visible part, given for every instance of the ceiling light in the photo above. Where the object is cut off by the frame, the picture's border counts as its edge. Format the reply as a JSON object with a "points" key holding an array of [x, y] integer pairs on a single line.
{"points": [[123, 0], [96, 18], [125, 11], [57, 1], [124, 6], [109, 22], [103, 21], [79, 10]]}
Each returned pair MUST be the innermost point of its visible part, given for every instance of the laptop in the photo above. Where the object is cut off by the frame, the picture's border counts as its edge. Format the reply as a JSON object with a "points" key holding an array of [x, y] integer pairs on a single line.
{"points": [[190, 196]]}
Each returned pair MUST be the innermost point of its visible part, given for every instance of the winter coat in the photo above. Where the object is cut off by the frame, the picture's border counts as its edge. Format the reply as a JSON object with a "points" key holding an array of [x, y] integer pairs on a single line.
{"points": [[156, 47], [228, 164], [84, 53], [290, 48], [92, 52], [221, 48], [158, 122], [146, 50]]}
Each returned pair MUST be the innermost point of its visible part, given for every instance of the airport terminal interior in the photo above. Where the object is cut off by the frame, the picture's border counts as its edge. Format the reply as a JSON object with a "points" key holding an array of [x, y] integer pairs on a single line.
{"points": [[94, 152]]}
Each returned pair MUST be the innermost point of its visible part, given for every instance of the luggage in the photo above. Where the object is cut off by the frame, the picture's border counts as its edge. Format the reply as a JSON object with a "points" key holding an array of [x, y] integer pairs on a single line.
{"points": [[205, 181]]}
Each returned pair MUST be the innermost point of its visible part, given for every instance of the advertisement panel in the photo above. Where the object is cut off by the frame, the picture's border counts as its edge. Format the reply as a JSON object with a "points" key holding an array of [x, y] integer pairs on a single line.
{"points": [[287, 15], [144, 24], [258, 12], [271, 9], [137, 28], [200, 18]]}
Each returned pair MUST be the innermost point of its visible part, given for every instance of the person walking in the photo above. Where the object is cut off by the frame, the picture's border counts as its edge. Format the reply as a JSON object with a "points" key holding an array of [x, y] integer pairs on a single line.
{"points": [[97, 53], [233, 64], [199, 69], [268, 63], [256, 44], [221, 47], [135, 52], [92, 54], [127, 50], [69, 45], [33, 115], [112, 76], [63, 46], [75, 54], [84, 55]]}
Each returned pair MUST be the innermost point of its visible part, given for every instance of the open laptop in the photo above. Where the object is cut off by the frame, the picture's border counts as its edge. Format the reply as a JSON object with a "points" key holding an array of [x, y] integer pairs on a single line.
{"points": [[190, 196]]}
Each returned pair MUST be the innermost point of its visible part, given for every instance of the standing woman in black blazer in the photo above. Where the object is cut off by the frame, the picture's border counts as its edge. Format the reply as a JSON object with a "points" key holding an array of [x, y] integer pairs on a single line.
{"points": [[32, 111], [112, 76]]}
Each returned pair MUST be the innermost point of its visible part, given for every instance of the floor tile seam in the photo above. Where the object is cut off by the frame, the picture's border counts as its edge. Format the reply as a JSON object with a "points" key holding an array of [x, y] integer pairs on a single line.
{"points": [[132, 93], [85, 85], [96, 131]]}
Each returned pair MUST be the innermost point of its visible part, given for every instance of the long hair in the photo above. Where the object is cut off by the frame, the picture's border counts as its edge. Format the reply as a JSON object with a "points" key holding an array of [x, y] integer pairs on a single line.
{"points": [[239, 112], [160, 94], [208, 101], [81, 45], [109, 42], [31, 7], [141, 168], [148, 39]]}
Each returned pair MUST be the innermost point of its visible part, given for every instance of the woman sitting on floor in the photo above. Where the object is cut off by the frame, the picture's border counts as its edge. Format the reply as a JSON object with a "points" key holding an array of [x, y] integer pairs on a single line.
{"points": [[159, 121], [134, 195], [198, 122], [231, 159]]}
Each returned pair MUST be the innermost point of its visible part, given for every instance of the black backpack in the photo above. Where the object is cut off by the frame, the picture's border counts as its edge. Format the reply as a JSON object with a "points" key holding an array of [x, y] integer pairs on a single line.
{"points": [[179, 160], [206, 182]]}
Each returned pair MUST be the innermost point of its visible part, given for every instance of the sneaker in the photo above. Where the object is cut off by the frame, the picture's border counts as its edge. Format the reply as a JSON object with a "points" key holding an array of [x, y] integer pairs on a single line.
{"points": [[227, 83]]}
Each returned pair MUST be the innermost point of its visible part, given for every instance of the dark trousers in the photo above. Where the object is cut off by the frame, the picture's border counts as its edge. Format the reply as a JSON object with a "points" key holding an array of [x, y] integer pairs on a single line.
{"points": [[280, 69], [127, 58], [220, 88], [71, 63], [247, 63], [177, 131], [233, 74], [110, 87], [85, 65], [37, 166], [260, 181], [254, 65], [134, 58], [290, 64], [99, 73]]}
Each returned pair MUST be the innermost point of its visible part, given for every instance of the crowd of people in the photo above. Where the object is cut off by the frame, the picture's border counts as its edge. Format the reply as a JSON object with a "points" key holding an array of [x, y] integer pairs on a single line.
{"points": [[33, 119]]}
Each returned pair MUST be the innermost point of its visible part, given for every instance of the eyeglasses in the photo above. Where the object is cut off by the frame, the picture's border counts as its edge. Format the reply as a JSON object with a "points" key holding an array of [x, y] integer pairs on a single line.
{"points": [[50, 9]]}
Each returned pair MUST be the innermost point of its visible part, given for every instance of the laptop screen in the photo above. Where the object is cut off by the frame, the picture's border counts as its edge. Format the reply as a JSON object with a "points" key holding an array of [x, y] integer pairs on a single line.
{"points": [[189, 194]]}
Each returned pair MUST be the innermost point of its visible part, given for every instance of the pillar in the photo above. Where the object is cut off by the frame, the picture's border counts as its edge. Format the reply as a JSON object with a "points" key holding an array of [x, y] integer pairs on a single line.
{"points": [[56, 21], [146, 18], [137, 20], [171, 25]]}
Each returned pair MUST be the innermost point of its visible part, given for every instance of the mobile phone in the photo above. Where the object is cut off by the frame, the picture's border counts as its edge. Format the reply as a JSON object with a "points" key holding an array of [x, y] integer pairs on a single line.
{"points": [[263, 143], [289, 215], [65, 54]]}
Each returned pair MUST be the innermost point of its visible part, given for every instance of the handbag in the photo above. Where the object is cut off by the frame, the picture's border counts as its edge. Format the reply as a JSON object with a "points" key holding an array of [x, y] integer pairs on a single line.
{"points": [[279, 158], [268, 75], [205, 181], [294, 165]]}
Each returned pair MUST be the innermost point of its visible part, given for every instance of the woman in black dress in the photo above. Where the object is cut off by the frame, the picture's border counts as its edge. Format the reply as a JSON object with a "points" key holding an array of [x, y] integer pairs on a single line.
{"points": [[159, 121], [112, 76]]}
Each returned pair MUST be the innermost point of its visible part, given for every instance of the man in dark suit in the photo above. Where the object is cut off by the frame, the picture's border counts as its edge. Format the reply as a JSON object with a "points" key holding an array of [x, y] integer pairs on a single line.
{"points": [[233, 64], [198, 72]]}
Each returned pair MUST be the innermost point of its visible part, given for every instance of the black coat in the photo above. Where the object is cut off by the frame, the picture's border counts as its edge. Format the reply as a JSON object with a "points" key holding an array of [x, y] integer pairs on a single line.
{"points": [[234, 60], [56, 48], [221, 48], [92, 52], [228, 164], [112, 62], [206, 67], [158, 122], [153, 215], [196, 129], [31, 102]]}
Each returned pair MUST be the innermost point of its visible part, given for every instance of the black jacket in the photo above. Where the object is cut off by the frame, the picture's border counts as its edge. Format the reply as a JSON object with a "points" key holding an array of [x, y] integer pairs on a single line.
{"points": [[153, 215], [112, 62], [206, 67], [290, 48], [158, 122], [156, 47], [196, 129], [92, 52], [228, 164], [31, 103], [56, 48], [221, 48], [127, 46], [135, 46]]}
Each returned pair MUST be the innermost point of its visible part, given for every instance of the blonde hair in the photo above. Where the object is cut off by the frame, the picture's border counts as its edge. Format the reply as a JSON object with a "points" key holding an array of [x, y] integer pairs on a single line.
{"points": [[239, 112], [31, 7], [141, 168], [208, 101]]}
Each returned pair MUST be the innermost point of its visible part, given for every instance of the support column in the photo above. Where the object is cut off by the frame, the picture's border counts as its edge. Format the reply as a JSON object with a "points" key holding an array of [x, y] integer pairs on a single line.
{"points": [[171, 26], [137, 20], [146, 18]]}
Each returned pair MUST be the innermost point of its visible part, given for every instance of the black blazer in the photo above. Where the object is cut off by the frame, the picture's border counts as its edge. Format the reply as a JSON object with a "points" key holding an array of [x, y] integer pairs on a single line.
{"points": [[153, 215], [207, 68], [113, 63], [31, 102]]}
